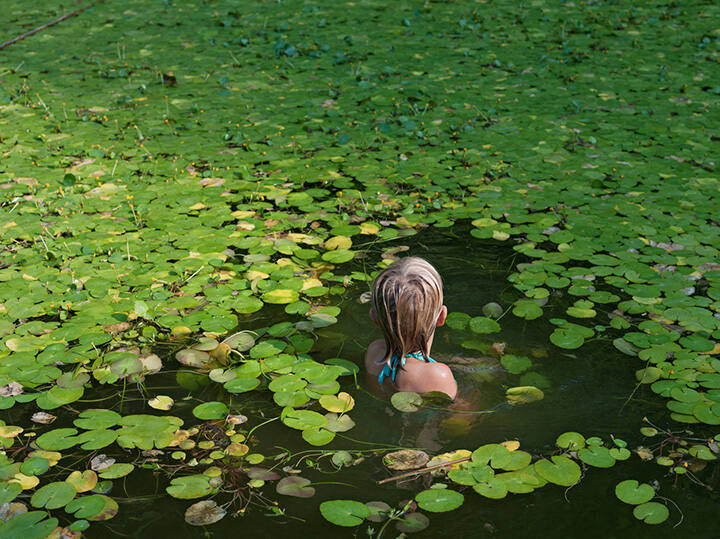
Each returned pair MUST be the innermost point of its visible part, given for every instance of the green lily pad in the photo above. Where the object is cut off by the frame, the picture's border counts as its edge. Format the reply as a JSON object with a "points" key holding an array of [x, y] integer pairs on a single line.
{"points": [[190, 486], [296, 486], [597, 456], [439, 500], [651, 513], [406, 401], [53, 495], [211, 410], [483, 325], [346, 513], [629, 491], [561, 471]]}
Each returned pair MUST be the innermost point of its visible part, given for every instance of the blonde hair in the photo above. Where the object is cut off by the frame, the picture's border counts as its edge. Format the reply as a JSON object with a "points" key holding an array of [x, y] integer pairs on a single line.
{"points": [[407, 298]]}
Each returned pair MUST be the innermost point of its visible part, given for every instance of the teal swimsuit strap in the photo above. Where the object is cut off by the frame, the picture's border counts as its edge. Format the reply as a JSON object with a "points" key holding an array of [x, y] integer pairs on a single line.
{"points": [[391, 370]]}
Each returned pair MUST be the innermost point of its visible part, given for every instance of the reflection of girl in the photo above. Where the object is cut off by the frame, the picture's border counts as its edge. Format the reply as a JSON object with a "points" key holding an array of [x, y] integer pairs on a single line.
{"points": [[407, 306]]}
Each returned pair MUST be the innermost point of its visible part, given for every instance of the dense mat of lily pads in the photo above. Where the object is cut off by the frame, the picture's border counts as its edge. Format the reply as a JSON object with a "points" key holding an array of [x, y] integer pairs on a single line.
{"points": [[170, 168]]}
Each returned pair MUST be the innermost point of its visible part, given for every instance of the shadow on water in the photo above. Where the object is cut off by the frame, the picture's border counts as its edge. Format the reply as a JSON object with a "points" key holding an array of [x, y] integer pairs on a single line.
{"points": [[585, 390]]}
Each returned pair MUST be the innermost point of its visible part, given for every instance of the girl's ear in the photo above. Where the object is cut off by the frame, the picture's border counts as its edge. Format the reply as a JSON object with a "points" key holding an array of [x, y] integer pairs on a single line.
{"points": [[372, 315], [442, 316]]}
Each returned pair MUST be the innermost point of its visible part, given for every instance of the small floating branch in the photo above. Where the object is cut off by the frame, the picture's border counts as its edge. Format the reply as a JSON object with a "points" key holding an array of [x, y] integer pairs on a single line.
{"points": [[423, 470], [48, 25]]}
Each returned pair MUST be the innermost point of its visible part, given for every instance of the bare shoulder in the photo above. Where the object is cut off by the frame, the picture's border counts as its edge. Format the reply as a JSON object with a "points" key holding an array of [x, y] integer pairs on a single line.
{"points": [[374, 357], [422, 377]]}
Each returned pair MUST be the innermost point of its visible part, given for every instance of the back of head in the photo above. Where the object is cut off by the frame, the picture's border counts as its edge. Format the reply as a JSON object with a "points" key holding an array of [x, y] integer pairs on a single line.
{"points": [[407, 299]]}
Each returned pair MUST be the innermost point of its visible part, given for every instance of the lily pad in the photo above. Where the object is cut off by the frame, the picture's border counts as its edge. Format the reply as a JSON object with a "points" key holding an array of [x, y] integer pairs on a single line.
{"points": [[651, 513], [406, 401], [346, 513], [629, 491], [561, 471], [439, 500], [204, 513]]}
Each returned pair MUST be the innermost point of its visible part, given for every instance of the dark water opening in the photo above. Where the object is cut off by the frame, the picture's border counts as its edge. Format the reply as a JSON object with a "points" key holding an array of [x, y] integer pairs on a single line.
{"points": [[586, 390]]}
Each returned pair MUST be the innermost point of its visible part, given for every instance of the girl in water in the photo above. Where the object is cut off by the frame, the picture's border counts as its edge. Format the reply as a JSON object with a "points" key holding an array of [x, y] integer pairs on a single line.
{"points": [[407, 306]]}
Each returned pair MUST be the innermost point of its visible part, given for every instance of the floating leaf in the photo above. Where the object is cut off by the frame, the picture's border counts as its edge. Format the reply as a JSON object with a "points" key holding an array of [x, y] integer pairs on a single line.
{"points": [[53, 495], [561, 471], [406, 401], [629, 491], [439, 500], [340, 404], [161, 402], [523, 395], [204, 513], [295, 486], [651, 513], [211, 410], [346, 513], [190, 486], [483, 325]]}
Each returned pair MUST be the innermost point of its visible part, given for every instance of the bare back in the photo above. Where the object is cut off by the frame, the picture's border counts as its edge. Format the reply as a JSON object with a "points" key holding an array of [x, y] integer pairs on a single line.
{"points": [[417, 375]]}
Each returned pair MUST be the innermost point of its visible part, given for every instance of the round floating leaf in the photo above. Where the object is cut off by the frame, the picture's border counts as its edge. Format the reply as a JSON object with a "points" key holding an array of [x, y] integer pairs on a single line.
{"points": [[97, 439], [597, 456], [347, 367], [241, 384], [493, 488], [302, 419], [337, 423], [346, 513], [439, 500], [295, 486], [566, 338], [458, 321], [108, 511], [515, 364], [86, 506], [117, 470], [338, 256], [561, 471], [161, 402], [629, 491], [483, 325], [204, 513], [413, 522], [34, 466], [82, 481], [97, 419], [406, 401], [58, 396], [54, 495], [318, 436], [570, 440], [30, 525], [492, 310], [339, 404], [527, 309], [523, 395], [379, 511], [211, 410], [189, 487], [651, 513], [280, 296], [58, 439], [494, 454]]}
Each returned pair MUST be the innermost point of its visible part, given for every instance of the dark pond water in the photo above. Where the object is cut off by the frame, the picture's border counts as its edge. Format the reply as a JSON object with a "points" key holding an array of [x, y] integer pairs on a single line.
{"points": [[585, 390]]}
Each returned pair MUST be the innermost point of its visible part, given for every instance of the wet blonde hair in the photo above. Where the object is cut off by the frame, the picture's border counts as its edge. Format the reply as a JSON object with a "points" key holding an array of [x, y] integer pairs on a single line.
{"points": [[407, 298]]}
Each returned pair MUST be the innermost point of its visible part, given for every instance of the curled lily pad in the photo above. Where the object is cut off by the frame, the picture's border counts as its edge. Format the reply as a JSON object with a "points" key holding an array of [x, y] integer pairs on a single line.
{"points": [[340, 404], [406, 401], [523, 395], [204, 513], [346, 513]]}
